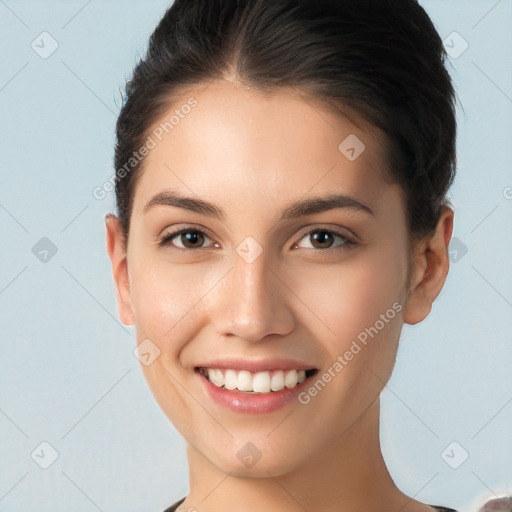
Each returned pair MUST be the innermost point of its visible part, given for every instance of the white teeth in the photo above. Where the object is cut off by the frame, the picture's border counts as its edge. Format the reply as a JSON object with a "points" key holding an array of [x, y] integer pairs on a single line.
{"points": [[216, 376], [244, 381], [277, 381], [260, 382], [230, 380], [290, 379]]}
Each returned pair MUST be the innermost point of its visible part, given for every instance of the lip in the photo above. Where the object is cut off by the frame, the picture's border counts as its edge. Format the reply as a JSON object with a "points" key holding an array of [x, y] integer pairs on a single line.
{"points": [[256, 365], [259, 403]]}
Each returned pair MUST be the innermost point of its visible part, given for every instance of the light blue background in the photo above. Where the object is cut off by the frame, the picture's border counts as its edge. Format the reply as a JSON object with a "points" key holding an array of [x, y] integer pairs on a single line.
{"points": [[68, 374]]}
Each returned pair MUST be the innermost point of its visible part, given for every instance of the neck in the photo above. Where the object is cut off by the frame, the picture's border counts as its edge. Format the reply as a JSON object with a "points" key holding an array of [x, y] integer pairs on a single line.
{"points": [[350, 474]]}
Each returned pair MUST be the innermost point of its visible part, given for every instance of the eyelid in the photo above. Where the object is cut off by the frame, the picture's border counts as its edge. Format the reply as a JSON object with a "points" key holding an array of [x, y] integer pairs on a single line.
{"points": [[164, 239], [179, 226], [335, 230]]}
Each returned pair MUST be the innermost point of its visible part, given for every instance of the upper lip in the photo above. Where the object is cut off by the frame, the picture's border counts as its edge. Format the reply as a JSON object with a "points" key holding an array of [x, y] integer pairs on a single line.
{"points": [[256, 365]]}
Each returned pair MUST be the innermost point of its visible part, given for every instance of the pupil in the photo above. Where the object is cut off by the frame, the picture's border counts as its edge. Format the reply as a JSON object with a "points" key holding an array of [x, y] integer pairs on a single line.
{"points": [[322, 237], [191, 239]]}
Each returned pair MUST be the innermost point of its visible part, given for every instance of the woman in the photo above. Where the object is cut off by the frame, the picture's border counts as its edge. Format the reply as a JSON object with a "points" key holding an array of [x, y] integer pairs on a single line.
{"points": [[282, 171]]}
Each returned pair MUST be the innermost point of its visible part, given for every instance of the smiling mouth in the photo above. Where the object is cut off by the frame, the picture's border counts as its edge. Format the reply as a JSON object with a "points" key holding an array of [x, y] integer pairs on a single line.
{"points": [[255, 382]]}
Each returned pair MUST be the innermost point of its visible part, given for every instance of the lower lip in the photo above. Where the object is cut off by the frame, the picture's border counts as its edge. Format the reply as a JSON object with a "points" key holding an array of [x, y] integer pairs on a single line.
{"points": [[259, 403]]}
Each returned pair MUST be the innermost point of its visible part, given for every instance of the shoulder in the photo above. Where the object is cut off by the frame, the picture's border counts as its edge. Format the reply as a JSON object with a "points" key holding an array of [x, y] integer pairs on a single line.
{"points": [[503, 504], [173, 508]]}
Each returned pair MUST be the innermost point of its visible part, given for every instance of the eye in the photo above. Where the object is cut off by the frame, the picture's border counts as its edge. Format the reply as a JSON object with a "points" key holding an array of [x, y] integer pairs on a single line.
{"points": [[188, 238], [325, 239], [192, 238]]}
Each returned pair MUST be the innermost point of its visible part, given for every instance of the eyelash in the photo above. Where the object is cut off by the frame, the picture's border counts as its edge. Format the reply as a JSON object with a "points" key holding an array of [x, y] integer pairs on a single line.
{"points": [[165, 240]]}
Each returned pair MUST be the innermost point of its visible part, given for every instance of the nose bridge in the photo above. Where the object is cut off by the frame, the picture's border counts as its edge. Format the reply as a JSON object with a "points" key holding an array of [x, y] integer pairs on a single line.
{"points": [[252, 304]]}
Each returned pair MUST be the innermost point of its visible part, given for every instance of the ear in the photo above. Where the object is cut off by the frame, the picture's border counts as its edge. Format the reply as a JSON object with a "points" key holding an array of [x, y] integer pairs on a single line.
{"points": [[430, 268], [116, 248]]}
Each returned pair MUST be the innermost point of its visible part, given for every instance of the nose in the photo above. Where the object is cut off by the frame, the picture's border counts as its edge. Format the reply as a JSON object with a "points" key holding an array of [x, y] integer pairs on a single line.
{"points": [[252, 302]]}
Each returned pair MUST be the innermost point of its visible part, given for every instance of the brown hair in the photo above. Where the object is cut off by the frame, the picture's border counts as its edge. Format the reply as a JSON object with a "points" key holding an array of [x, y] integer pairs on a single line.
{"points": [[382, 58]]}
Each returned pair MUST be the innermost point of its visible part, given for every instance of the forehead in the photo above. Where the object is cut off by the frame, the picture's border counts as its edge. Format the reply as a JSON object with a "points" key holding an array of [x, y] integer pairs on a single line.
{"points": [[231, 144]]}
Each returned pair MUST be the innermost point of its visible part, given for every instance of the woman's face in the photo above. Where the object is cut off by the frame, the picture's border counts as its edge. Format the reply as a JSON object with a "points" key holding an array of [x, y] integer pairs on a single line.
{"points": [[270, 276]]}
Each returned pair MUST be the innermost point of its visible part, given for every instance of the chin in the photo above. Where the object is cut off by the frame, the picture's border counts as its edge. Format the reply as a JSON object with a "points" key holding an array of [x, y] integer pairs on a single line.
{"points": [[249, 462]]}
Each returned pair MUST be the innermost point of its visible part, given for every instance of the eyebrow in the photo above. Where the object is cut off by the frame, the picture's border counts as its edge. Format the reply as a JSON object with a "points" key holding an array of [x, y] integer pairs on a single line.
{"points": [[292, 211]]}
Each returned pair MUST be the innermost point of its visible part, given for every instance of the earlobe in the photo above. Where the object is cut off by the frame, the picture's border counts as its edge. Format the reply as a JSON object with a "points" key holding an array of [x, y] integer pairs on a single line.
{"points": [[431, 265], [116, 249]]}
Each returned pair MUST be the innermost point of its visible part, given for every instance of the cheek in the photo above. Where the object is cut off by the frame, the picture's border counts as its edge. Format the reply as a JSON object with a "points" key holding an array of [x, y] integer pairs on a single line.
{"points": [[159, 297], [167, 298], [360, 304], [345, 299], [369, 318]]}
